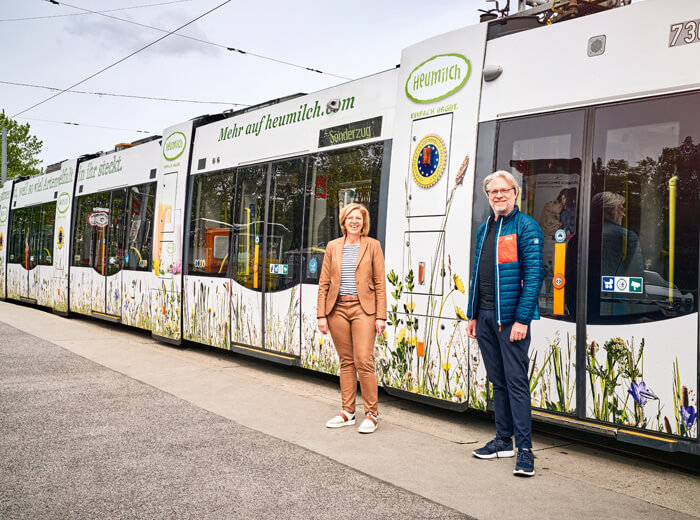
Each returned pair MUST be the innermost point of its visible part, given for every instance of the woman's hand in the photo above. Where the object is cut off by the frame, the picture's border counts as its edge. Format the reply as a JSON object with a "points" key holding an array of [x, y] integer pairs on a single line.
{"points": [[380, 325], [323, 325]]}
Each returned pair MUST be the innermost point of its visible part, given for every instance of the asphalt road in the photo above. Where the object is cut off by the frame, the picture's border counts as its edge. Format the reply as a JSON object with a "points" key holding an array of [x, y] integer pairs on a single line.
{"points": [[82, 441]]}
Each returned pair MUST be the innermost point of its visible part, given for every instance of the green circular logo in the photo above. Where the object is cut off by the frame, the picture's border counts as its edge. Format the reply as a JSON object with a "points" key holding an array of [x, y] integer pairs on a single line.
{"points": [[174, 145], [63, 202], [3, 213]]}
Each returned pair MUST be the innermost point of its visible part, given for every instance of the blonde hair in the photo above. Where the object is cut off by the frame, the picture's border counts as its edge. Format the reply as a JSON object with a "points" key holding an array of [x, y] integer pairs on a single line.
{"points": [[606, 201], [504, 175], [346, 210]]}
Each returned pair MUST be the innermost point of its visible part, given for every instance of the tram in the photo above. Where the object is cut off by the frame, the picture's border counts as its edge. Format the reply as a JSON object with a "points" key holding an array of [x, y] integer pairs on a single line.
{"points": [[215, 231]]}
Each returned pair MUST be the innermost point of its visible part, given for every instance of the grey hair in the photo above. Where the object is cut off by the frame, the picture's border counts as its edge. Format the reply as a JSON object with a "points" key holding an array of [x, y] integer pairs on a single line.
{"points": [[504, 175]]}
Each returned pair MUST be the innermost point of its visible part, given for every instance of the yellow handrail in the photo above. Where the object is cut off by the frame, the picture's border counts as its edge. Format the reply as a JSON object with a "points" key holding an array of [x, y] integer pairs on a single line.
{"points": [[672, 188]]}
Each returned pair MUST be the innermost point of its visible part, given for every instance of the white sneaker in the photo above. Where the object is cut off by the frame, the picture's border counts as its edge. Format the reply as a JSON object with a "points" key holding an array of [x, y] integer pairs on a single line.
{"points": [[369, 425], [342, 419]]}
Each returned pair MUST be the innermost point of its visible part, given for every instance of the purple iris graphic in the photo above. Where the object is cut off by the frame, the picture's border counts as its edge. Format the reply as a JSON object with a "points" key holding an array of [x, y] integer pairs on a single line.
{"points": [[641, 393], [689, 415]]}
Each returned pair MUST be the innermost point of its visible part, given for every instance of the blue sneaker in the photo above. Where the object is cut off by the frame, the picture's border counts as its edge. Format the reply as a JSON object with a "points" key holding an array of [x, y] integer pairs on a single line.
{"points": [[496, 448], [525, 464]]}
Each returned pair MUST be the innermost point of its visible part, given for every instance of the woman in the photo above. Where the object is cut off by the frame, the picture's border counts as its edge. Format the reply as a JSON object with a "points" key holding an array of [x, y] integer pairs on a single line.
{"points": [[352, 305]]}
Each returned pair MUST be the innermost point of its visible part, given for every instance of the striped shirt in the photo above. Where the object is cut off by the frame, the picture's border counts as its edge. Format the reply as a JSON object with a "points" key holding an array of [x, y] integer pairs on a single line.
{"points": [[347, 271]]}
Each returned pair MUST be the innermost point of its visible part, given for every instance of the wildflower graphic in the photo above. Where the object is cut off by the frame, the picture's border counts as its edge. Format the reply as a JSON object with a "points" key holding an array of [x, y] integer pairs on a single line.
{"points": [[641, 393], [428, 350], [557, 368]]}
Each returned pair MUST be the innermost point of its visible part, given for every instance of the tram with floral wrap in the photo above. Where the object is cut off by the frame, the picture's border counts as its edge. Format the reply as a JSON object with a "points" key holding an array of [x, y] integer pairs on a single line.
{"points": [[215, 232]]}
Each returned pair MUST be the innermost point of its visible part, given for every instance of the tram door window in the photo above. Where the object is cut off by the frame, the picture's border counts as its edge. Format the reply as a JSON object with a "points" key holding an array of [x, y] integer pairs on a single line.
{"points": [[116, 232], [248, 218], [335, 179], [210, 223], [98, 221], [45, 233], [83, 248], [139, 241], [544, 154], [643, 253], [20, 236], [284, 223]]}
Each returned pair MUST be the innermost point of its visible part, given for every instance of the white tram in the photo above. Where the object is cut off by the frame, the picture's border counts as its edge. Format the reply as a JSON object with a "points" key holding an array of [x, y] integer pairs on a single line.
{"points": [[215, 232]]}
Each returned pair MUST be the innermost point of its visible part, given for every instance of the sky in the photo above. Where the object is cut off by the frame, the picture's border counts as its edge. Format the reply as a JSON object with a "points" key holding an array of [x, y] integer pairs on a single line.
{"points": [[346, 39]]}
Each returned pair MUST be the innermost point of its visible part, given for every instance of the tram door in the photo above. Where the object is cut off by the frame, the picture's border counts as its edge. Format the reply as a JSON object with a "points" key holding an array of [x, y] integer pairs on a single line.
{"points": [[283, 256], [247, 238], [107, 222], [545, 155]]}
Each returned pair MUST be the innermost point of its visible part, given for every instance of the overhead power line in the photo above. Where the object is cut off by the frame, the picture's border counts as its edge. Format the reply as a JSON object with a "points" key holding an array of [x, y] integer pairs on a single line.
{"points": [[121, 60], [83, 14], [71, 123], [221, 46], [125, 95]]}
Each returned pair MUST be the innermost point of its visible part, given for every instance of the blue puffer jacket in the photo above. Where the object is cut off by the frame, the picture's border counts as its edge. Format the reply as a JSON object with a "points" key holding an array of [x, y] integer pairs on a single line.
{"points": [[519, 270]]}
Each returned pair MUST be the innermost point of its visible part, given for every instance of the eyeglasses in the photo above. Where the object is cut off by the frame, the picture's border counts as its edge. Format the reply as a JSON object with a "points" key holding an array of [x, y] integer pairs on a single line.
{"points": [[494, 193]]}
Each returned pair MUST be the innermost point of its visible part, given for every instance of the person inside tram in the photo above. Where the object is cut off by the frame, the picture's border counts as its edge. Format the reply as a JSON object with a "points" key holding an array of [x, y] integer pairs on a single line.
{"points": [[614, 251]]}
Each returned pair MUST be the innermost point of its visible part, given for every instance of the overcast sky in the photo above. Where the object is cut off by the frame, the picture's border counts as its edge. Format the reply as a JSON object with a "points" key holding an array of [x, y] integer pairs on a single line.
{"points": [[349, 39]]}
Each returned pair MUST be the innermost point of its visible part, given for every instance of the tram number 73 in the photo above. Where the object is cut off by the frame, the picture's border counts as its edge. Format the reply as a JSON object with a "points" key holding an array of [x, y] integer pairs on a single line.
{"points": [[684, 33]]}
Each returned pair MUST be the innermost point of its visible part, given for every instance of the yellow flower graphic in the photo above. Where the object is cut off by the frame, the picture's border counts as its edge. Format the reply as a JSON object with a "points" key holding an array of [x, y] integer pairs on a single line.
{"points": [[410, 306], [458, 394], [446, 366], [401, 334], [458, 283], [413, 340], [320, 341], [460, 314]]}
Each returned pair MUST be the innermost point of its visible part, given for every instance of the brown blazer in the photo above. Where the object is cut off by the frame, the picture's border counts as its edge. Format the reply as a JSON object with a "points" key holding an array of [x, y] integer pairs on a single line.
{"points": [[369, 277]]}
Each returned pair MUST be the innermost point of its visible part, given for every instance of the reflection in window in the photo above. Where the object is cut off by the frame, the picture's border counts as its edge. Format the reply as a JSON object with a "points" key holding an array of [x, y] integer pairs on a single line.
{"points": [[335, 179], [544, 155], [210, 223], [644, 228]]}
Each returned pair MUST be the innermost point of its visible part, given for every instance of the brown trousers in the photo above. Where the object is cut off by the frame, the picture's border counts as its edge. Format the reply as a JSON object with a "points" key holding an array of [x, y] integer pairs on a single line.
{"points": [[353, 332]]}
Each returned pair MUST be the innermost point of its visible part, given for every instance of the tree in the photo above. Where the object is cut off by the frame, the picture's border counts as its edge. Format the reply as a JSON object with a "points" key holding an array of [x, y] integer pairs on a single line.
{"points": [[22, 148]]}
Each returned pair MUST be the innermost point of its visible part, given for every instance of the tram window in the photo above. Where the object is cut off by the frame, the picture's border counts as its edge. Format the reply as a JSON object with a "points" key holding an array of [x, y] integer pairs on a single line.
{"points": [[335, 179], [644, 227], [544, 155], [115, 249], [19, 236], [248, 217], [45, 232], [210, 223], [284, 223], [140, 204], [82, 232]]}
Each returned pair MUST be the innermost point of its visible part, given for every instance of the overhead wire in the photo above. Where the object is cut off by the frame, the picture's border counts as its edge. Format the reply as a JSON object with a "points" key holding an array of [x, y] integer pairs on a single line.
{"points": [[71, 123], [121, 60], [125, 95], [83, 14], [226, 47]]}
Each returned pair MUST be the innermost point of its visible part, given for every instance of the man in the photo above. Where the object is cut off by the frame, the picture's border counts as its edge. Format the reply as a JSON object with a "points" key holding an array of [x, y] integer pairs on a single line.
{"points": [[504, 288]]}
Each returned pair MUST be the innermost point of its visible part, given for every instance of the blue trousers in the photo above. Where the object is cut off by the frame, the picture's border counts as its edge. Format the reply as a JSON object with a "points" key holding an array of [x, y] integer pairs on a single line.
{"points": [[507, 364]]}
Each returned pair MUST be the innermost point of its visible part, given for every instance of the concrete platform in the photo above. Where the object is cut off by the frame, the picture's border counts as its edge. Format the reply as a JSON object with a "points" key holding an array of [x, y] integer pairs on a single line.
{"points": [[99, 421]]}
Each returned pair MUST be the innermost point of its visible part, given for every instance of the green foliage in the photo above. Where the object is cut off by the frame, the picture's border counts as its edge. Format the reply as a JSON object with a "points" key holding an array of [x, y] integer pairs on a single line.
{"points": [[22, 148]]}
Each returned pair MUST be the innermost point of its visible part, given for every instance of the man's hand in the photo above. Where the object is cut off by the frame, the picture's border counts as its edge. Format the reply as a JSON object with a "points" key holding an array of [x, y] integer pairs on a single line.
{"points": [[323, 325], [471, 329], [518, 331]]}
